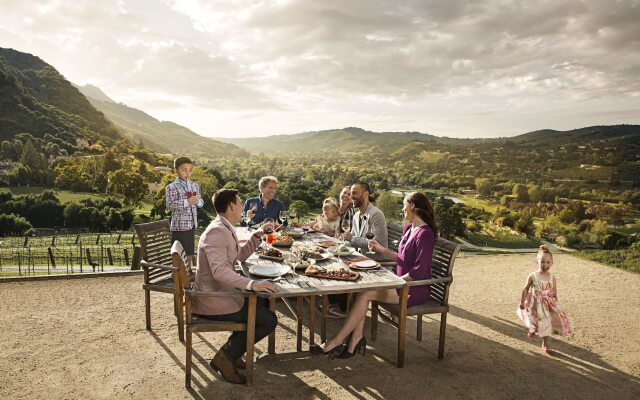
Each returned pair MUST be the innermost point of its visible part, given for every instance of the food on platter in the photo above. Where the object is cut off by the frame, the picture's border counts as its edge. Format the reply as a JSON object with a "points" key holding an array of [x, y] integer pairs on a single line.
{"points": [[299, 263], [270, 253], [311, 270], [305, 250], [283, 240], [332, 273]]}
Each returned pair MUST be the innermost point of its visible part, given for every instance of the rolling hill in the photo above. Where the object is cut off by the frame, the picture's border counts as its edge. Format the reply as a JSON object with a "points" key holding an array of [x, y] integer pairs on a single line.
{"points": [[161, 136], [348, 140], [35, 98], [412, 143]]}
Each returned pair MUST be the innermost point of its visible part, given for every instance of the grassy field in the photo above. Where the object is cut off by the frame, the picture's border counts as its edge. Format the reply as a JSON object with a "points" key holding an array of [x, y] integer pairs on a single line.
{"points": [[63, 195], [502, 240], [480, 204], [625, 259]]}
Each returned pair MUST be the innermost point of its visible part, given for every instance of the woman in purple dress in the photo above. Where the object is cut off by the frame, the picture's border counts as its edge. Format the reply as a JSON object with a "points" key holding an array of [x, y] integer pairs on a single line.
{"points": [[413, 263]]}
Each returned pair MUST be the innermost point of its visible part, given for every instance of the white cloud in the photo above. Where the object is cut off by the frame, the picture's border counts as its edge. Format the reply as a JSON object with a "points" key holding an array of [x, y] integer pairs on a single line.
{"points": [[441, 67]]}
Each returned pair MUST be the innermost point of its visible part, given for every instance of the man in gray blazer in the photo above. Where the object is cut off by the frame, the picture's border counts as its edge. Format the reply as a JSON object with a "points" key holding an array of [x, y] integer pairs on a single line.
{"points": [[367, 217], [218, 251]]}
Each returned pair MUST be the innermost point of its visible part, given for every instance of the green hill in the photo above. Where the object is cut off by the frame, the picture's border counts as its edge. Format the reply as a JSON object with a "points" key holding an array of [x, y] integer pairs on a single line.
{"points": [[36, 99], [620, 134], [161, 136], [346, 140], [405, 144]]}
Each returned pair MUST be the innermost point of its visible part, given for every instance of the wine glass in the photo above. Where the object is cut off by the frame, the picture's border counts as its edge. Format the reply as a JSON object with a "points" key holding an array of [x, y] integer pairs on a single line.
{"points": [[283, 217], [248, 220], [346, 227], [253, 209], [306, 225], [268, 228], [292, 214], [370, 235]]}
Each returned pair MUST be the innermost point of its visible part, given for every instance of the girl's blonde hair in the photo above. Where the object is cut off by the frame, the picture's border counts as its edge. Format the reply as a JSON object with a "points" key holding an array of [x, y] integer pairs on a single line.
{"points": [[328, 203], [544, 249]]}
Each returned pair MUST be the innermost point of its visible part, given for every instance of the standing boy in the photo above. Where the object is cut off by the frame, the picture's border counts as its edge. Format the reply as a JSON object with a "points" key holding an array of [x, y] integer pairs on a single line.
{"points": [[183, 198]]}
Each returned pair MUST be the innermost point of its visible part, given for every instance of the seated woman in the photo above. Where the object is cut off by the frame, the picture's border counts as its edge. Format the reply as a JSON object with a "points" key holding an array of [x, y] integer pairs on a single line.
{"points": [[328, 221], [413, 263]]}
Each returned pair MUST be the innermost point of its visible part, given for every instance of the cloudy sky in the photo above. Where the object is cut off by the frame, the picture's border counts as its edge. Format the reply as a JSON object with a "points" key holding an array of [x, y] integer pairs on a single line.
{"points": [[256, 68]]}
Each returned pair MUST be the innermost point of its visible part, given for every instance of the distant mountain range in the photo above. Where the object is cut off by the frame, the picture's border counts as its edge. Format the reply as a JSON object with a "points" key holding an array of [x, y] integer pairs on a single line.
{"points": [[161, 136], [35, 98], [402, 143]]}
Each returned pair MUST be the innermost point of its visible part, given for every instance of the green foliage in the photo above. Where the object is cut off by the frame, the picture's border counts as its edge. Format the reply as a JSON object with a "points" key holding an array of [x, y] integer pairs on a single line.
{"points": [[449, 217], [301, 207], [129, 185], [11, 224], [390, 205], [628, 259]]}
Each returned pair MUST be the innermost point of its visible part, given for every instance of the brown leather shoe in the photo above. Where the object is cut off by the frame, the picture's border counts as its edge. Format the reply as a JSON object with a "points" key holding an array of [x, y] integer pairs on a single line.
{"points": [[225, 367], [240, 364]]}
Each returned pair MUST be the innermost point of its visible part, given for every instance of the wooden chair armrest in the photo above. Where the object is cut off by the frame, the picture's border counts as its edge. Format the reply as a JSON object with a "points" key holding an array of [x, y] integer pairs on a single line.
{"points": [[429, 281], [145, 264], [239, 293]]}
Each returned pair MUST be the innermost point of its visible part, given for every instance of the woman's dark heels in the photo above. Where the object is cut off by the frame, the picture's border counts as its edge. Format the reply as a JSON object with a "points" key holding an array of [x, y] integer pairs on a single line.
{"points": [[361, 347], [336, 351]]}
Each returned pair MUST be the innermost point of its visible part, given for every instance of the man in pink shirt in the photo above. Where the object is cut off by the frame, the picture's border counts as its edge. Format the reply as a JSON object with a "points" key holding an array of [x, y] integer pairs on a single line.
{"points": [[218, 251]]}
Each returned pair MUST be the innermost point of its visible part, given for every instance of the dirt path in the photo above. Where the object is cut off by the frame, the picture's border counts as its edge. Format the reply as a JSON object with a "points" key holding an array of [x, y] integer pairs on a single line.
{"points": [[85, 338]]}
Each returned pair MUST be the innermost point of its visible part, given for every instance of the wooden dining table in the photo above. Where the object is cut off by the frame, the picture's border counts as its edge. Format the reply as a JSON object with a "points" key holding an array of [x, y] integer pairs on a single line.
{"points": [[296, 285]]}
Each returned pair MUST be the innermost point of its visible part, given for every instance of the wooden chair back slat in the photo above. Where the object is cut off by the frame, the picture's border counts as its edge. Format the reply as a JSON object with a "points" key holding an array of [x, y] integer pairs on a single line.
{"points": [[394, 232], [179, 260]]}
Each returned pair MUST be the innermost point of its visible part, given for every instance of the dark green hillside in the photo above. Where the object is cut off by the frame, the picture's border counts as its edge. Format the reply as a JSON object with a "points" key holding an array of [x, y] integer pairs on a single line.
{"points": [[621, 134], [162, 136], [36, 99]]}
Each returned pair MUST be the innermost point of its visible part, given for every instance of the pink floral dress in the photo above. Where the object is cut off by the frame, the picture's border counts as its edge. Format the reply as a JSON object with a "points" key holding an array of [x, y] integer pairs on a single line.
{"points": [[543, 315]]}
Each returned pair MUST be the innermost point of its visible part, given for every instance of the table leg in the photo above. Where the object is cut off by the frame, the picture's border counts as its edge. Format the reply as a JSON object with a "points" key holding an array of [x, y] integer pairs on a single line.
{"points": [[251, 335], [300, 313], [271, 347], [312, 320], [323, 321]]}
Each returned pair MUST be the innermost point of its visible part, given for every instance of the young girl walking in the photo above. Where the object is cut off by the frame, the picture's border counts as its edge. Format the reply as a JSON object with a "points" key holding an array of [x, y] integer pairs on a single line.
{"points": [[539, 307]]}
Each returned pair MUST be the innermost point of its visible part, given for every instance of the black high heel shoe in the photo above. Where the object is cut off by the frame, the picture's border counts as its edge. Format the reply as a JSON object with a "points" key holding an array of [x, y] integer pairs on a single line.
{"points": [[361, 347], [319, 350]]}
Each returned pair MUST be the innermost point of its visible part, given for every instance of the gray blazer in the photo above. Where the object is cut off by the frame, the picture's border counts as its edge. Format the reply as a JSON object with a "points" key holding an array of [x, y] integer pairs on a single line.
{"points": [[359, 226]]}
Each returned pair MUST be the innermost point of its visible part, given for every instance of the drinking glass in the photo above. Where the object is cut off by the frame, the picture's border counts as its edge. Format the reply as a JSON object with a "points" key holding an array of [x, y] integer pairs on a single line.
{"points": [[268, 229], [306, 225], [370, 235], [292, 214], [346, 227], [283, 217]]}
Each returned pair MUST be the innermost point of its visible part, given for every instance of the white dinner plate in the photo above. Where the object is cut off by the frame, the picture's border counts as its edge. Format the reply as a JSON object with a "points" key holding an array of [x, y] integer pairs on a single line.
{"points": [[269, 271], [332, 250], [365, 264]]}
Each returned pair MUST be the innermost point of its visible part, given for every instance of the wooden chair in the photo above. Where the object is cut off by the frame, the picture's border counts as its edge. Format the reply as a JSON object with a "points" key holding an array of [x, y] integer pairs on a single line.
{"points": [[444, 255], [198, 324], [394, 231], [159, 273]]}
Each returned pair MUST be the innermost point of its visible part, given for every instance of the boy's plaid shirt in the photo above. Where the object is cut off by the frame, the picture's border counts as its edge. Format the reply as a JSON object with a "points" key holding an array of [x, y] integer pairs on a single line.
{"points": [[184, 217]]}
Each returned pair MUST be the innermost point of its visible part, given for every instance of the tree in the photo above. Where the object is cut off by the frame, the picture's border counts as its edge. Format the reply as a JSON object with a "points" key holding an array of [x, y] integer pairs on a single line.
{"points": [[301, 207], [11, 224], [390, 205], [130, 185], [449, 217], [484, 186], [521, 192]]}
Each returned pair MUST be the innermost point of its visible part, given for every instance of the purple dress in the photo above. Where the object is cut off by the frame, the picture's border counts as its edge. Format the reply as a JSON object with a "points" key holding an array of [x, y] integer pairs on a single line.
{"points": [[415, 251]]}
